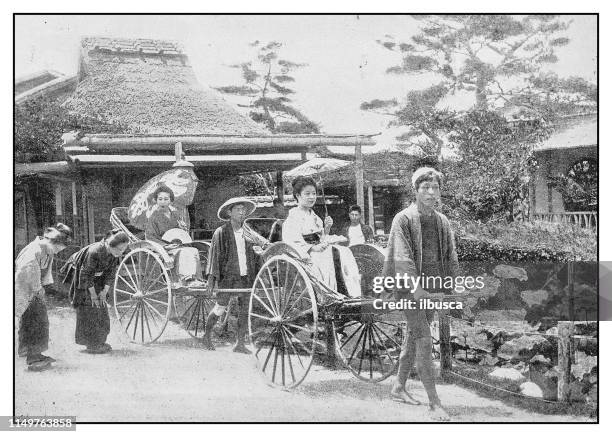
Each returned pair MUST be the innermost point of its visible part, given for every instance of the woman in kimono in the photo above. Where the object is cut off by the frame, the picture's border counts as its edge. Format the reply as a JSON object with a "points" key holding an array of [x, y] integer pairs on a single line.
{"points": [[305, 231], [32, 272], [92, 272], [163, 218]]}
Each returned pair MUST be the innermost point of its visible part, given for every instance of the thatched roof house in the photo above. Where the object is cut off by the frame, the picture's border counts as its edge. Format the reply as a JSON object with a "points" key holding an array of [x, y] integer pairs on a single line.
{"points": [[149, 86], [148, 89]]}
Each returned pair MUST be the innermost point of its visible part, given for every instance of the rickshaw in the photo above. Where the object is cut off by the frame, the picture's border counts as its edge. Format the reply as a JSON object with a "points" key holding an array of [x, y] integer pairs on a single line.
{"points": [[289, 308]]}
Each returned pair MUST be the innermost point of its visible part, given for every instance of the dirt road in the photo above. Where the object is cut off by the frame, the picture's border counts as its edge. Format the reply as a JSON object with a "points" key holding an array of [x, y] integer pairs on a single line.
{"points": [[175, 380]]}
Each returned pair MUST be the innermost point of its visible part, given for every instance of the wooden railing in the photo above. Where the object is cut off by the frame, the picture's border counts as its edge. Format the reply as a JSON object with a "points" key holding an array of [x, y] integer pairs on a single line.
{"points": [[586, 219]]}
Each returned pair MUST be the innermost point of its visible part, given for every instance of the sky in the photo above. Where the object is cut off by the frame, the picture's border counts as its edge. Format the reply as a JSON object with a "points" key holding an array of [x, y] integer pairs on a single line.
{"points": [[345, 64]]}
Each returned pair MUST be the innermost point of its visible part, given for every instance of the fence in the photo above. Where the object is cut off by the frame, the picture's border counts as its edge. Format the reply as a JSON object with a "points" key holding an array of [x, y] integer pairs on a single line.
{"points": [[585, 219], [566, 349]]}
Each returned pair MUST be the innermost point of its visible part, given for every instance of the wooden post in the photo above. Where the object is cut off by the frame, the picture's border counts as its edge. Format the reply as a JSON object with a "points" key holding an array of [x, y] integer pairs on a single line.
{"points": [[371, 207], [570, 289], [59, 203], [280, 187], [90, 221], [566, 329], [359, 177], [446, 362], [85, 236]]}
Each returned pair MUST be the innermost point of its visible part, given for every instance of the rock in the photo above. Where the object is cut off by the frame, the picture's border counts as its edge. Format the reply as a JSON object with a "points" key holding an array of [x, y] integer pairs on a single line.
{"points": [[553, 373], [488, 360], [547, 381], [577, 392], [490, 288], [521, 367], [541, 359], [509, 374], [523, 348], [531, 389], [480, 342], [534, 297], [584, 365], [516, 315], [509, 272]]}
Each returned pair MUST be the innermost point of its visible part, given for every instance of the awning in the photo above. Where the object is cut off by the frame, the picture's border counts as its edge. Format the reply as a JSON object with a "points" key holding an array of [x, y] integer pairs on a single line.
{"points": [[280, 160], [213, 144], [22, 169]]}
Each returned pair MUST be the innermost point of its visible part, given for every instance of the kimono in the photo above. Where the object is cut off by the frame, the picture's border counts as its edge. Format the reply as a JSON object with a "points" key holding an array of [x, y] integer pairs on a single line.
{"points": [[92, 266], [186, 259], [304, 229], [33, 268]]}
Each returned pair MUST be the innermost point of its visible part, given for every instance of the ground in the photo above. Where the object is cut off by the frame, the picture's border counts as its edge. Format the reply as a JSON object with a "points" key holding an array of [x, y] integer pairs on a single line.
{"points": [[176, 380]]}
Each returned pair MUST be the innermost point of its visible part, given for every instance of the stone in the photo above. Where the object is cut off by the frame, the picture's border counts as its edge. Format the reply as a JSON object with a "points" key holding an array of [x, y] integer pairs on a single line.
{"points": [[488, 360], [534, 297], [540, 359], [509, 272], [531, 389], [523, 348], [584, 365], [480, 342], [509, 374]]}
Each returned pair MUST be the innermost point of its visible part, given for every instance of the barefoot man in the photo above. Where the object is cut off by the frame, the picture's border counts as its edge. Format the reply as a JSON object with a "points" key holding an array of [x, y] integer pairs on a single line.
{"points": [[421, 243]]}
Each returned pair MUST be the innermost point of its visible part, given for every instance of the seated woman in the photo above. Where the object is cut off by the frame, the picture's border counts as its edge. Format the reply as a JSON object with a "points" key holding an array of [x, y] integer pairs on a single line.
{"points": [[163, 218], [309, 236]]}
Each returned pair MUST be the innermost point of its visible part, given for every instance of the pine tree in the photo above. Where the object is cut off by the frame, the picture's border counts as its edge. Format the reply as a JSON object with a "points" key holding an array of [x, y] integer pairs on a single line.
{"points": [[267, 81]]}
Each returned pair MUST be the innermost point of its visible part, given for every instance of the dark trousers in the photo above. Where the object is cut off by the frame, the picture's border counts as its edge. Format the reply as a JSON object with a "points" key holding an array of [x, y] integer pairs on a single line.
{"points": [[34, 329]]}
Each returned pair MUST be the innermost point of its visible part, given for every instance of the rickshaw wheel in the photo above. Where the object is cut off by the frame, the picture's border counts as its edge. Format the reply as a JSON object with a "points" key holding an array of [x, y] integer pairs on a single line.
{"points": [[142, 295], [283, 322], [192, 312], [368, 343]]}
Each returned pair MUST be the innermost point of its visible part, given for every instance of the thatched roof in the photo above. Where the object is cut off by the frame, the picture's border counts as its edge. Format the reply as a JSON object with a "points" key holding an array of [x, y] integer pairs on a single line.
{"points": [[149, 87]]}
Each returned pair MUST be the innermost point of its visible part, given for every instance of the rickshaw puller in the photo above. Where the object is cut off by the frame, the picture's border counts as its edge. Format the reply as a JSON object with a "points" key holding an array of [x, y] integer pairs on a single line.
{"points": [[232, 264]]}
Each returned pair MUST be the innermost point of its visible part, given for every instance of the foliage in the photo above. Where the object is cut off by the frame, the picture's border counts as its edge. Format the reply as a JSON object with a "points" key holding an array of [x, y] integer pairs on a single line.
{"points": [[266, 85], [257, 184], [497, 58], [523, 241], [41, 122], [579, 187], [495, 160]]}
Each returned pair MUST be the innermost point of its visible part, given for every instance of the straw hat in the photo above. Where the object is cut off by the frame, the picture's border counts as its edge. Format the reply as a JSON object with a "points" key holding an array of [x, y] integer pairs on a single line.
{"points": [[224, 209]]}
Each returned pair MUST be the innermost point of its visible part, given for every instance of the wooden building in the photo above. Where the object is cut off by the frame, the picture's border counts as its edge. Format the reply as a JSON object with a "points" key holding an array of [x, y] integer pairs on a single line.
{"points": [[571, 151], [148, 87], [34, 184]]}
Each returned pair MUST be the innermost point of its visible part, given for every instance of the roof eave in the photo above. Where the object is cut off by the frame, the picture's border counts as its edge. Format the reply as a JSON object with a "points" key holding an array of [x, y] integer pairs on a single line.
{"points": [[212, 144]]}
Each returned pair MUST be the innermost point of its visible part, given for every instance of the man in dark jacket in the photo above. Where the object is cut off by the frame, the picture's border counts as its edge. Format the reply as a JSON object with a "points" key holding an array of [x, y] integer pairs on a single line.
{"points": [[355, 231], [421, 244], [232, 264]]}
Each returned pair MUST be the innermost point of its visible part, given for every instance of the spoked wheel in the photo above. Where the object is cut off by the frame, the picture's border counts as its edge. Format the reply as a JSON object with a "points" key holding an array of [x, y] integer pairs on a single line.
{"points": [[283, 322], [192, 311], [368, 343], [142, 295]]}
